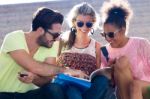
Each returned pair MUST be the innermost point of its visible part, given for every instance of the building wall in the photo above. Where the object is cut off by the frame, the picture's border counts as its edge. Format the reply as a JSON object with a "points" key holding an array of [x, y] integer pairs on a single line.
{"points": [[18, 16]]}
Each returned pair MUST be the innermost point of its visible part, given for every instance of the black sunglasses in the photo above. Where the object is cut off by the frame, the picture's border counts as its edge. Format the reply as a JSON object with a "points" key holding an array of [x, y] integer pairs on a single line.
{"points": [[55, 35], [109, 34], [81, 24]]}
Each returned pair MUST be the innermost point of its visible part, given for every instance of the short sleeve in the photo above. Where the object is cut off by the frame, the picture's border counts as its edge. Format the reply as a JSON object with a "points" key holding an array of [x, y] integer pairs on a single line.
{"points": [[54, 50], [12, 41], [144, 50], [44, 52]]}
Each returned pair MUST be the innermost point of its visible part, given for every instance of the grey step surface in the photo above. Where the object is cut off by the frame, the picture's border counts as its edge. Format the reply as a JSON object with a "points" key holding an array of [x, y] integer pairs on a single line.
{"points": [[19, 16]]}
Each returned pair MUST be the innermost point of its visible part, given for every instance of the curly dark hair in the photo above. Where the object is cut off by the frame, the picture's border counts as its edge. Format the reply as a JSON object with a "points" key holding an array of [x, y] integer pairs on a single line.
{"points": [[117, 14]]}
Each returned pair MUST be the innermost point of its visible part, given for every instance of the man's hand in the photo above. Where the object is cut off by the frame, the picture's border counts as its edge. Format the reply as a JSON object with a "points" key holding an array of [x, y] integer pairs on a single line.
{"points": [[26, 77]]}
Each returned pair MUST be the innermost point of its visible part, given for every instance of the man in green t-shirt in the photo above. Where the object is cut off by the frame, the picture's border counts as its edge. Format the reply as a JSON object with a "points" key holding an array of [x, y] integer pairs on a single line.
{"points": [[33, 51]]}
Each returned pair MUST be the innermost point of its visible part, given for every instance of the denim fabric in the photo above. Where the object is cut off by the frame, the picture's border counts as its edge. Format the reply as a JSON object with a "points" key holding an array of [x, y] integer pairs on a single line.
{"points": [[50, 91], [5, 95], [100, 89], [73, 93]]}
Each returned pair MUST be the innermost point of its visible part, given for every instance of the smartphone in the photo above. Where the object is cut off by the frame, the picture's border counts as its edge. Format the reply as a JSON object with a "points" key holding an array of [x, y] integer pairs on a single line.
{"points": [[22, 74]]}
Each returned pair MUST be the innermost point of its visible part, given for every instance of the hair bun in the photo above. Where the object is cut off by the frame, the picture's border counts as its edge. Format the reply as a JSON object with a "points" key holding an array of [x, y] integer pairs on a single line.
{"points": [[116, 9], [117, 12]]}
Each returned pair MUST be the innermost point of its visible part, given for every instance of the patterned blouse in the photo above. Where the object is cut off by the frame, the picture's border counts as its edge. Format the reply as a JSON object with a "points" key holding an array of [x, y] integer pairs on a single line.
{"points": [[82, 59]]}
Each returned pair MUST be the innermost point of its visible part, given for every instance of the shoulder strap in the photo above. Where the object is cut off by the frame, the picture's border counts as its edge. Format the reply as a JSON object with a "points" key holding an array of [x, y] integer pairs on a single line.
{"points": [[105, 52]]}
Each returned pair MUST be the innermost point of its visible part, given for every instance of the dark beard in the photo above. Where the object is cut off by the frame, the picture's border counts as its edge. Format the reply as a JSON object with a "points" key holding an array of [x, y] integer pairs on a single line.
{"points": [[41, 41]]}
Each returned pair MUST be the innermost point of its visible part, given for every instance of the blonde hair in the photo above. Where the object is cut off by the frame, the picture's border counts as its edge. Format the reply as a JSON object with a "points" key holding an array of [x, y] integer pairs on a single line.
{"points": [[82, 9]]}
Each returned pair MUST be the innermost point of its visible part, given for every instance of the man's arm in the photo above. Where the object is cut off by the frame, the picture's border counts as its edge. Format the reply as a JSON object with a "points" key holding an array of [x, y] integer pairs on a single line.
{"points": [[27, 62], [42, 69], [28, 77], [41, 80]]}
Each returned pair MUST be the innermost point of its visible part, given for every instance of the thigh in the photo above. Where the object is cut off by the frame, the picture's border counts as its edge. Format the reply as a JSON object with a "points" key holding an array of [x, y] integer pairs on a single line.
{"points": [[5, 95], [52, 91], [49, 91], [32, 94], [73, 93]]}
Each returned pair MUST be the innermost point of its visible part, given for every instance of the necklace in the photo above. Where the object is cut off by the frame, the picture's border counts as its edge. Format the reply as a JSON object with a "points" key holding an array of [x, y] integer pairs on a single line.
{"points": [[82, 45]]}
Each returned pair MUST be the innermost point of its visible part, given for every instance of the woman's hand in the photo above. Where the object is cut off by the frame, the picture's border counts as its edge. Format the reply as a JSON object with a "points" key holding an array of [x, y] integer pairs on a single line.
{"points": [[111, 62], [76, 73]]}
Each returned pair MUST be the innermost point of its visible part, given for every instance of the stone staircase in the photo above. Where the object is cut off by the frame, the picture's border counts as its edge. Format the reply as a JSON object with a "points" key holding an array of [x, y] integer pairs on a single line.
{"points": [[18, 16]]}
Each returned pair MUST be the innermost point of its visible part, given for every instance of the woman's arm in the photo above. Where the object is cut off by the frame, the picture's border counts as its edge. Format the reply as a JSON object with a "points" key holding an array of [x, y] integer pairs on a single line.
{"points": [[98, 54]]}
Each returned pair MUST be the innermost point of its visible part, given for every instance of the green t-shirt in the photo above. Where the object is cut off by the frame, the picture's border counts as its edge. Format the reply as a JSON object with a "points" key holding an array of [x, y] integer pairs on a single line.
{"points": [[8, 67]]}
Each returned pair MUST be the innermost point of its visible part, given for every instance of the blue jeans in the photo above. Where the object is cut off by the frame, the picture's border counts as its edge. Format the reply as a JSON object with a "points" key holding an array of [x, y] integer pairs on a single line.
{"points": [[99, 88], [73, 93], [49, 91]]}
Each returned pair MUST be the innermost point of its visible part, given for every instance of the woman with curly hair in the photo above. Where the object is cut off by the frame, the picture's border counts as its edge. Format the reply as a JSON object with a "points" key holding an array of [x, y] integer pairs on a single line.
{"points": [[130, 55]]}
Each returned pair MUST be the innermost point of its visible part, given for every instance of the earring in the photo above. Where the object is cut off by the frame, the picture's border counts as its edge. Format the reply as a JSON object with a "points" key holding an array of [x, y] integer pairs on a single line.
{"points": [[73, 29], [92, 31]]}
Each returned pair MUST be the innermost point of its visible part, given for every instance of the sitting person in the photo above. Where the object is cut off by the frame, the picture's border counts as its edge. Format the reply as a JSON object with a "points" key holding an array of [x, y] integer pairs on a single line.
{"points": [[81, 52], [27, 51], [130, 56]]}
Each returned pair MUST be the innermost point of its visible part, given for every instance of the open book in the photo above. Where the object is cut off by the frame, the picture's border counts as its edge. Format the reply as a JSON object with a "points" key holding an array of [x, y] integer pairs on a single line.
{"points": [[80, 83]]}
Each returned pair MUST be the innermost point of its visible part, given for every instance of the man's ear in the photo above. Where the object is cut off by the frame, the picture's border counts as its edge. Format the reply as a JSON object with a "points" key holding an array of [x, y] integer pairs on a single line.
{"points": [[40, 30]]}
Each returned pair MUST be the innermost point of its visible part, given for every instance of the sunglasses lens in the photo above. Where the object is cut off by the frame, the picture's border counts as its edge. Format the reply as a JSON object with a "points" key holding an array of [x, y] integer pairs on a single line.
{"points": [[80, 24], [103, 34], [89, 24], [111, 34], [55, 35]]}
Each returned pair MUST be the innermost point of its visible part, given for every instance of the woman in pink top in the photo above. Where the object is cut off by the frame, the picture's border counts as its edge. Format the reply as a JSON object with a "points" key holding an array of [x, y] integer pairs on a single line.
{"points": [[130, 55]]}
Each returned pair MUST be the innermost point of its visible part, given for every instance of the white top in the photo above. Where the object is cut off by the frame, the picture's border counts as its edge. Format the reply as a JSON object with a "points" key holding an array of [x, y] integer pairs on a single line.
{"points": [[90, 49]]}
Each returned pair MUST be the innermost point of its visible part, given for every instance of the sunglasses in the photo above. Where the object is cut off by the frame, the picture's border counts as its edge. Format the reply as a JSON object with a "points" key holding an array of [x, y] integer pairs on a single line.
{"points": [[55, 35], [109, 34], [81, 24]]}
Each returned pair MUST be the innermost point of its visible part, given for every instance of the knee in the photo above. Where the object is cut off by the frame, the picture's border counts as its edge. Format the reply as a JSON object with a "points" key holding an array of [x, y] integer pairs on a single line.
{"points": [[134, 86], [105, 72], [100, 80], [122, 63]]}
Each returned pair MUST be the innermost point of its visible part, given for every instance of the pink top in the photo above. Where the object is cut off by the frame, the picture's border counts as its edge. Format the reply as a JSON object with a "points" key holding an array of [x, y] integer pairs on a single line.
{"points": [[138, 52]]}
